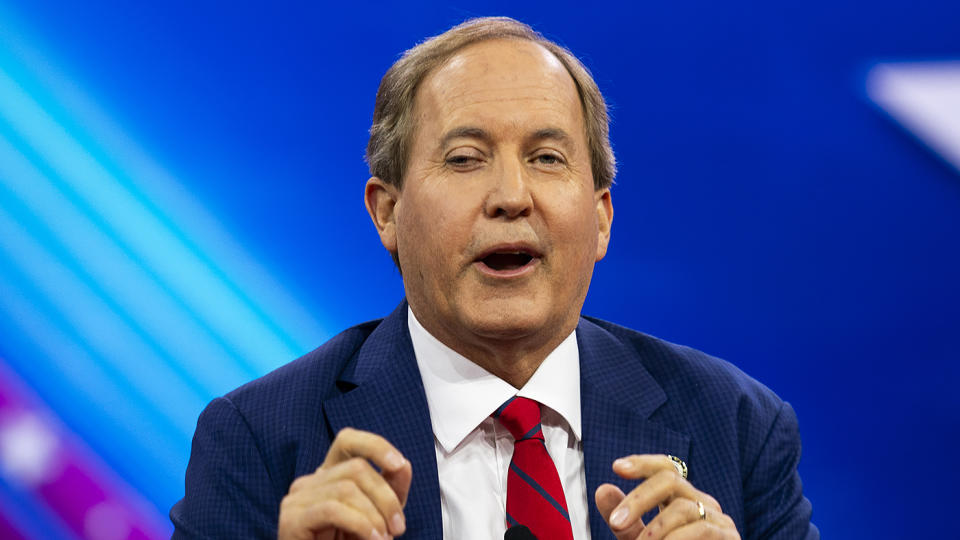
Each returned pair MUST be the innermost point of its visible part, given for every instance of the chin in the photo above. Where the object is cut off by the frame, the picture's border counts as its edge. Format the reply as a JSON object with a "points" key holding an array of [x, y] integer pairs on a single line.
{"points": [[507, 319]]}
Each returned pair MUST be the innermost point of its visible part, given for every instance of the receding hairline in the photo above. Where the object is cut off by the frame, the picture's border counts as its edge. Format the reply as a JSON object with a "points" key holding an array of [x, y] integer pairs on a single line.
{"points": [[540, 43], [390, 133], [546, 132], [556, 63]]}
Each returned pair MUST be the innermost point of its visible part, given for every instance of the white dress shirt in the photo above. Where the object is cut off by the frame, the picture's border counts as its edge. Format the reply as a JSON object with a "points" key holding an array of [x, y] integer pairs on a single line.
{"points": [[474, 451]]}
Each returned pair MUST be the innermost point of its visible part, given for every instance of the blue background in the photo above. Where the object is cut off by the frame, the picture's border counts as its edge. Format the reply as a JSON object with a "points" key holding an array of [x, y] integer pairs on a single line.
{"points": [[766, 211]]}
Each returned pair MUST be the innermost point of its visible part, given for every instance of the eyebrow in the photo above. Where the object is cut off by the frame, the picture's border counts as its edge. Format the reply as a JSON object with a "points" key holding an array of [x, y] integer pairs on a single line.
{"points": [[555, 134], [472, 132], [468, 132]]}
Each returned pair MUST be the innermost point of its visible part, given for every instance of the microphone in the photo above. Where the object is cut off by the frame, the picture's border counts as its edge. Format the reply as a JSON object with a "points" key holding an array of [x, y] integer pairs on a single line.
{"points": [[519, 532]]}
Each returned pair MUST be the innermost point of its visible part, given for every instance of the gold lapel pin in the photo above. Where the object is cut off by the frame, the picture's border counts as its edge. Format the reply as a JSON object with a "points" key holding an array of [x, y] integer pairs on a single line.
{"points": [[680, 465]]}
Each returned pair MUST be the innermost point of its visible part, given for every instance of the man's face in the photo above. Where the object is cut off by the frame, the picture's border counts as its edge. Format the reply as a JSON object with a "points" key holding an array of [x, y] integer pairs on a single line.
{"points": [[498, 225]]}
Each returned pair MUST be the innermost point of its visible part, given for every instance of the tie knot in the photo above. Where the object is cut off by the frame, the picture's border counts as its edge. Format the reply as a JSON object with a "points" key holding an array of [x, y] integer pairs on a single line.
{"points": [[521, 417]]}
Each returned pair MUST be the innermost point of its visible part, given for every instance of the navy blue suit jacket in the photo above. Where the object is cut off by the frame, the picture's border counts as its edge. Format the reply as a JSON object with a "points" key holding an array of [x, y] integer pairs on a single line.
{"points": [[639, 395]]}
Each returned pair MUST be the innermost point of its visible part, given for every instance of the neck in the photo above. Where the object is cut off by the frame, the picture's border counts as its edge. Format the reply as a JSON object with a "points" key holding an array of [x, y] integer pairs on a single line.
{"points": [[514, 359]]}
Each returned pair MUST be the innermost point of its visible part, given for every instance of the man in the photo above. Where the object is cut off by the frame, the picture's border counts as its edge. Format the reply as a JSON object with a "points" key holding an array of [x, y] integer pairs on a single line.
{"points": [[485, 400]]}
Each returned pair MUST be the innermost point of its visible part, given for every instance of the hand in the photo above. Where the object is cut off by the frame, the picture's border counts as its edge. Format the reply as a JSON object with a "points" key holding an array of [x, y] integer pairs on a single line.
{"points": [[346, 498], [663, 487]]}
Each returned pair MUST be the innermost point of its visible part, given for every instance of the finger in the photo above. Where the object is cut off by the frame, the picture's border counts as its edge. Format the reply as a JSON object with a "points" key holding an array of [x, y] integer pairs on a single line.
{"points": [[374, 488], [643, 465], [350, 443], [607, 498], [312, 490], [678, 513], [399, 480], [702, 530], [350, 494], [681, 514], [648, 465], [323, 516], [396, 470], [658, 490]]}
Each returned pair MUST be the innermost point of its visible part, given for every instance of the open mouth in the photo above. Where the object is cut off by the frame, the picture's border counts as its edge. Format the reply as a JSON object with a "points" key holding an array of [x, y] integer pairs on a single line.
{"points": [[506, 261]]}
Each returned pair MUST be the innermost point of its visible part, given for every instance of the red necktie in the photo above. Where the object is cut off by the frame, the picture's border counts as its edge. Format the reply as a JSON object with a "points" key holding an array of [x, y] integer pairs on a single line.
{"points": [[534, 492]]}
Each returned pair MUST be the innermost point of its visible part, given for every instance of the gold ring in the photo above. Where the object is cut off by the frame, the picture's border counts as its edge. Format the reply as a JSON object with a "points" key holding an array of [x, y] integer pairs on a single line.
{"points": [[702, 510], [680, 466]]}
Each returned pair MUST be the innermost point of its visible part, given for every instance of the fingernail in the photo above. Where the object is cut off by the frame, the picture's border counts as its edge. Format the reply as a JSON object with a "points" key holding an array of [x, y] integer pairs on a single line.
{"points": [[623, 464], [396, 523], [619, 517], [394, 460]]}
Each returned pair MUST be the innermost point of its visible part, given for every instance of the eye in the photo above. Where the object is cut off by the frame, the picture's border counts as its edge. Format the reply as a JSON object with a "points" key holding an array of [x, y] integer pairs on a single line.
{"points": [[549, 159], [460, 161], [464, 159]]}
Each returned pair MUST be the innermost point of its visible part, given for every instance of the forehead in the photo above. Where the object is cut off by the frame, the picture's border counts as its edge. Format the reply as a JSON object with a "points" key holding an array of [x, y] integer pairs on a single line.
{"points": [[500, 81]]}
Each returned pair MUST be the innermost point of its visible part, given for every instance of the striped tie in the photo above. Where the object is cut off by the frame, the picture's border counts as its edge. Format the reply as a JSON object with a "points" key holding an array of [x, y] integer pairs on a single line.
{"points": [[534, 493]]}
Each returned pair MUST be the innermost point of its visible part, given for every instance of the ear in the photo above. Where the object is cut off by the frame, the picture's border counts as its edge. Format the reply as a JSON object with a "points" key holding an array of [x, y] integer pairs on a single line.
{"points": [[604, 221], [381, 199]]}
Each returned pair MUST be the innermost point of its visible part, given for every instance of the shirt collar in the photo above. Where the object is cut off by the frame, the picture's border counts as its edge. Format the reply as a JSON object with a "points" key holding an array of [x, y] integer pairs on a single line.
{"points": [[461, 394]]}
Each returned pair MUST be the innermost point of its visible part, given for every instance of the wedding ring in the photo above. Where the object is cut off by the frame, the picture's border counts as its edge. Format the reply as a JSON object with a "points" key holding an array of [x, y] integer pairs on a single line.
{"points": [[701, 510]]}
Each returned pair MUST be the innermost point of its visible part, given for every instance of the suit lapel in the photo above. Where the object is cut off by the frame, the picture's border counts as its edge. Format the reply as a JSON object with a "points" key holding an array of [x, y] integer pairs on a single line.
{"points": [[617, 397], [389, 400]]}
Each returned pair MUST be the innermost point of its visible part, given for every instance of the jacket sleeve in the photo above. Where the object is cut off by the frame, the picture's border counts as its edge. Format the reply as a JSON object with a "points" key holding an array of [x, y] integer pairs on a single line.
{"points": [[229, 490], [774, 505]]}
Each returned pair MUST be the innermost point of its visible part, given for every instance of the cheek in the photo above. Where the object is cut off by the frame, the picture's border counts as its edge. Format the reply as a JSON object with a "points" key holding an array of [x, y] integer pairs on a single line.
{"points": [[576, 226], [430, 231]]}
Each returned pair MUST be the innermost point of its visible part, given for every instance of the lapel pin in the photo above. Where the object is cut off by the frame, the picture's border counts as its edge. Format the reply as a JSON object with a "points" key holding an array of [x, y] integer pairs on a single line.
{"points": [[680, 466]]}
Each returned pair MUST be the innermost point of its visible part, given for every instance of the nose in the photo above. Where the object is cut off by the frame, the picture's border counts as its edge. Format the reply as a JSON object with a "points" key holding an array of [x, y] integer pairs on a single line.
{"points": [[509, 194]]}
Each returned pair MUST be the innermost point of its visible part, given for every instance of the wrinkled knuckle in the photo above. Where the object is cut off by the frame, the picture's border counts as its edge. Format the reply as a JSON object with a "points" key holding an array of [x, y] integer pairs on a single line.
{"points": [[296, 485], [675, 474], [300, 483], [631, 499], [355, 465], [388, 499], [344, 489], [670, 479], [669, 509], [323, 511], [287, 507], [677, 482], [654, 528]]}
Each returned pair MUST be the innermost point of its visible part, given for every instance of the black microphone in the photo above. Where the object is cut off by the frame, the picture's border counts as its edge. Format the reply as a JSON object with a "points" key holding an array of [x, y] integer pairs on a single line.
{"points": [[519, 532]]}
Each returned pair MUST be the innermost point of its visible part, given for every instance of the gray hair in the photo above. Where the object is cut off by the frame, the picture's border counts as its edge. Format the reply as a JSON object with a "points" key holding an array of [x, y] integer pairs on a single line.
{"points": [[391, 133]]}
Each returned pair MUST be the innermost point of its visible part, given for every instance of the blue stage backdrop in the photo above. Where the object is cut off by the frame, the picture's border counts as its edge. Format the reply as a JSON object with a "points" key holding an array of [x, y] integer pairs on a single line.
{"points": [[181, 211]]}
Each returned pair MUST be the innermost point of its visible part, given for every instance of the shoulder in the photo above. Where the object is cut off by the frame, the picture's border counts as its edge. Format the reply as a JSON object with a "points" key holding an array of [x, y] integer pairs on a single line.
{"points": [[283, 410], [730, 417], [314, 373], [744, 440], [261, 436], [688, 375]]}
